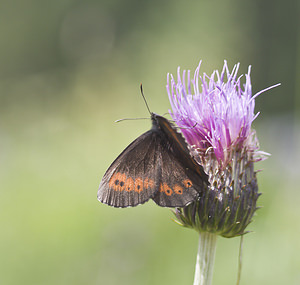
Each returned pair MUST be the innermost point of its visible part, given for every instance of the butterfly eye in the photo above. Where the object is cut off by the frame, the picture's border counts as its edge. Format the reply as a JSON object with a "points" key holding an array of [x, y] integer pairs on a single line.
{"points": [[122, 184], [178, 189], [129, 185], [166, 189], [187, 183], [138, 185], [117, 181]]}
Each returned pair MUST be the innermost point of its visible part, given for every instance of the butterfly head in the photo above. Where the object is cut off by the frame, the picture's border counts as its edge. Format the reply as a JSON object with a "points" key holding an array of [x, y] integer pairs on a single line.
{"points": [[160, 122], [155, 121]]}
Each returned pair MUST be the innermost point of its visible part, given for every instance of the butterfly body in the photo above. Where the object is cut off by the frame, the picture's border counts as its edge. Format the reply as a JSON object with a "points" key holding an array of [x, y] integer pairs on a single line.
{"points": [[157, 165]]}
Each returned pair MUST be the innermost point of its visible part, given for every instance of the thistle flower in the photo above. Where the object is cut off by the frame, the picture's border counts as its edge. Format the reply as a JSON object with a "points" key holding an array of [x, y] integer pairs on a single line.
{"points": [[216, 122]]}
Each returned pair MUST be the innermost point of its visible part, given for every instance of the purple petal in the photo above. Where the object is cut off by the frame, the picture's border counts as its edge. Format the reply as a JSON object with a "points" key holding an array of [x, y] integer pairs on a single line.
{"points": [[218, 117]]}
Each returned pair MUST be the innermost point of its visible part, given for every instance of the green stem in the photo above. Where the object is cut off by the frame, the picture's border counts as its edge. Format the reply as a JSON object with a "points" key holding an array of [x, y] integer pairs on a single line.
{"points": [[240, 261], [205, 258]]}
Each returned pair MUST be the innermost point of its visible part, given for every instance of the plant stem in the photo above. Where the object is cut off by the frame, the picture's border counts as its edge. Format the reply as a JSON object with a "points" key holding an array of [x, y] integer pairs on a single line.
{"points": [[240, 261], [205, 258]]}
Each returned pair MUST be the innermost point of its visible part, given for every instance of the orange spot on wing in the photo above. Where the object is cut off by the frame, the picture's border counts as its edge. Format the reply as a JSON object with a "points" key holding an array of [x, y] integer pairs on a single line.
{"points": [[117, 181], [111, 182], [149, 183], [178, 189], [187, 183], [129, 185], [166, 189], [138, 185]]}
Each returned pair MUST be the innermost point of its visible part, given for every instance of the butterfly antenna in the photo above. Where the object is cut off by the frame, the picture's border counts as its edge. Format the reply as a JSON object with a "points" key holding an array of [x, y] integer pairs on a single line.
{"points": [[166, 114], [130, 119], [141, 87]]}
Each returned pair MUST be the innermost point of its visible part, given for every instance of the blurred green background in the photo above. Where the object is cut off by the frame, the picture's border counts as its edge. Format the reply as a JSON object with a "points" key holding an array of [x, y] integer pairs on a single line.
{"points": [[68, 70]]}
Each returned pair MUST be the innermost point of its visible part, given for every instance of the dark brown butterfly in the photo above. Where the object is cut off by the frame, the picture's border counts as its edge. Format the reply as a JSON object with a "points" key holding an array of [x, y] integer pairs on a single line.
{"points": [[158, 166]]}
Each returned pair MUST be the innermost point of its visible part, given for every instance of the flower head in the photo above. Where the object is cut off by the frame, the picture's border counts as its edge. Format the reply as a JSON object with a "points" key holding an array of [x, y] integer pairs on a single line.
{"points": [[216, 122], [219, 117]]}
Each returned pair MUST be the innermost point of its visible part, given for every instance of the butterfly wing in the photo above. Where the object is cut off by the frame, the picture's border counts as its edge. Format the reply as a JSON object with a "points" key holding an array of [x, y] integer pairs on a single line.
{"points": [[156, 165], [180, 149], [132, 179], [178, 185], [182, 178]]}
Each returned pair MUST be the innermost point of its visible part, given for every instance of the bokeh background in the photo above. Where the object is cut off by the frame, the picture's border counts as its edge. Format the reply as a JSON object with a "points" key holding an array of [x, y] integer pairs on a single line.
{"points": [[68, 70]]}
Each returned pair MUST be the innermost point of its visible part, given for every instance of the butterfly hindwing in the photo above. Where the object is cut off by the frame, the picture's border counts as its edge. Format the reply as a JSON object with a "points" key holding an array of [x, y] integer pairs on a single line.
{"points": [[131, 179], [182, 177], [176, 188]]}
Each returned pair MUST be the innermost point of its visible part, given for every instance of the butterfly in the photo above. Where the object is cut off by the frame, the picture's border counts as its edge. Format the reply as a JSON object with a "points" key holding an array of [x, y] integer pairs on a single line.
{"points": [[158, 166]]}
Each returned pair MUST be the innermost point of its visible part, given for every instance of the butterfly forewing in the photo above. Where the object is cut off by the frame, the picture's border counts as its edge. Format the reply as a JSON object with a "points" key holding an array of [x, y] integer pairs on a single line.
{"points": [[132, 178]]}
